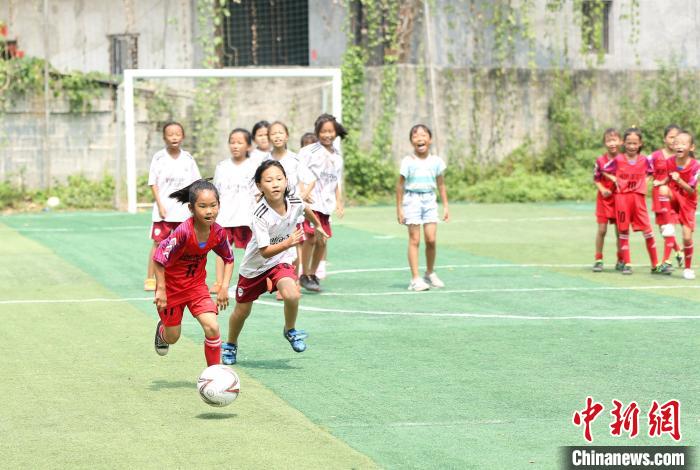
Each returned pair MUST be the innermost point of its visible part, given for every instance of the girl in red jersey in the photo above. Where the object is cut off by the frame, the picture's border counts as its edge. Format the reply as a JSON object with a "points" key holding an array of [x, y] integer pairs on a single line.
{"points": [[180, 271], [660, 204], [629, 172], [683, 172], [605, 201]]}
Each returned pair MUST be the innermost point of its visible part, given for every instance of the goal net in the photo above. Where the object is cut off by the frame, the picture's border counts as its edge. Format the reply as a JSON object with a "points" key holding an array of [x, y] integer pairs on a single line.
{"points": [[210, 103]]}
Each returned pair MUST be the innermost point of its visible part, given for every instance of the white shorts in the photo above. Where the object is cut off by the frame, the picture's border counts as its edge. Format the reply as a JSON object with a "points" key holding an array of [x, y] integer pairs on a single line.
{"points": [[420, 208]]}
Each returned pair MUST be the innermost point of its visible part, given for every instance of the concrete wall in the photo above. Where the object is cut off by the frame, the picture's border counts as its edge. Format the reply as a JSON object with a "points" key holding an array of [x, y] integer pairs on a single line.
{"points": [[78, 31], [91, 143]]}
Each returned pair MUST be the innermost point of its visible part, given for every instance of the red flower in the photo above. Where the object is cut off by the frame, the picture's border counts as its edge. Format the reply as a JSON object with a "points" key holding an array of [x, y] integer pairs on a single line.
{"points": [[19, 54], [3, 30]]}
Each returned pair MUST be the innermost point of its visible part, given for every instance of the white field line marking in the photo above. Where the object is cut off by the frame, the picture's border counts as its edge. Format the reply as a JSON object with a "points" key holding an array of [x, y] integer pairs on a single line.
{"points": [[458, 266], [71, 301], [488, 219], [502, 290], [490, 315], [377, 294], [82, 229], [385, 313]]}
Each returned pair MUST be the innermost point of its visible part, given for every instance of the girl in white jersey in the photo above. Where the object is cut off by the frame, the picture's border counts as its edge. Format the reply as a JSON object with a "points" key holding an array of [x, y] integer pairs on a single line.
{"points": [[420, 175], [171, 169], [233, 179], [266, 265], [322, 180], [279, 136], [262, 141]]}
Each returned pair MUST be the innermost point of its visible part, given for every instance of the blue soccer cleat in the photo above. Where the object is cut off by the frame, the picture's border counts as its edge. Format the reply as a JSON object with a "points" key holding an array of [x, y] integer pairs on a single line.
{"points": [[228, 353], [296, 339]]}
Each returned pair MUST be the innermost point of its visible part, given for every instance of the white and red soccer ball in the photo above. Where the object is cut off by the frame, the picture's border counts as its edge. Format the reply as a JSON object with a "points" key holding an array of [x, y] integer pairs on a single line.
{"points": [[218, 385]]}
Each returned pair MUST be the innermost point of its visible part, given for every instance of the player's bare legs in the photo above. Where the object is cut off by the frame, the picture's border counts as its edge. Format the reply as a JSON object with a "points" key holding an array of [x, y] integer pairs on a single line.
{"points": [[171, 333], [290, 294], [413, 245], [317, 256], [600, 237], [150, 282], [430, 232], [288, 289], [235, 322], [306, 252]]}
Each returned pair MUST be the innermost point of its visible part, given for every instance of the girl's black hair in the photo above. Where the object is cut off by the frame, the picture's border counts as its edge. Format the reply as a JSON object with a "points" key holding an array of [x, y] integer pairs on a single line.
{"points": [[610, 131], [324, 118], [670, 127], [308, 139], [264, 166], [419, 126], [189, 193], [173, 123], [259, 125]]}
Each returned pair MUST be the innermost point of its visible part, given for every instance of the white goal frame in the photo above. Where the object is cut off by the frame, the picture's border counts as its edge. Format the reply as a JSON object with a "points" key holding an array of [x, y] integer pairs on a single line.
{"points": [[132, 74]]}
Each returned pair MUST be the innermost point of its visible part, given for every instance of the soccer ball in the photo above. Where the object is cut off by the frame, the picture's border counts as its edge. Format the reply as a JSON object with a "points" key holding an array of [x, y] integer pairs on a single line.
{"points": [[53, 201], [218, 385]]}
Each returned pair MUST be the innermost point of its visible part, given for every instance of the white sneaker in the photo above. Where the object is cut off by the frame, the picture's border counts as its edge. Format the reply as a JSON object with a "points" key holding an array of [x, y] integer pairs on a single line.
{"points": [[321, 270], [688, 274], [418, 285], [433, 280]]}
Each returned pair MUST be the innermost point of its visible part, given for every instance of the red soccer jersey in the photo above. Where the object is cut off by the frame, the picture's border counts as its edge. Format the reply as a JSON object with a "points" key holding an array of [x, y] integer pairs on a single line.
{"points": [[185, 261], [631, 174], [660, 165], [688, 173], [598, 176]]}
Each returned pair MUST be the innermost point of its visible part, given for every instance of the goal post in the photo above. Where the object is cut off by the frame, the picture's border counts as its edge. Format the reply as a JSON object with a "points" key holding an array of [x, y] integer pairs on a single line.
{"points": [[130, 75]]}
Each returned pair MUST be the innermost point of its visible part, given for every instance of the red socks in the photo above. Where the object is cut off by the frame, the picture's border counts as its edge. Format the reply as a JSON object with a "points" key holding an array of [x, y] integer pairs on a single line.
{"points": [[651, 248], [669, 246], [688, 252], [598, 256], [625, 246], [212, 350]]}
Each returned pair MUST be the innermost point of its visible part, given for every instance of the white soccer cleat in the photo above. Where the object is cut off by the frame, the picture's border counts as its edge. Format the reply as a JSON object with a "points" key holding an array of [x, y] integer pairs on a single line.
{"points": [[418, 285], [433, 280], [321, 270], [688, 274]]}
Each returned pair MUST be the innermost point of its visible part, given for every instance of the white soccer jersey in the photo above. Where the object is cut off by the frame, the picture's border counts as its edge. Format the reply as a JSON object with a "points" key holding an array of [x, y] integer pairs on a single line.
{"points": [[270, 228], [290, 163], [171, 174], [326, 169], [236, 192], [257, 156]]}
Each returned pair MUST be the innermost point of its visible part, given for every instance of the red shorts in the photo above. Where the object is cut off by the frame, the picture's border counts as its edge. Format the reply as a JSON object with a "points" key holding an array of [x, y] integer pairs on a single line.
{"points": [[239, 236], [171, 315], [685, 207], [249, 289], [632, 209], [605, 209], [325, 220], [162, 230]]}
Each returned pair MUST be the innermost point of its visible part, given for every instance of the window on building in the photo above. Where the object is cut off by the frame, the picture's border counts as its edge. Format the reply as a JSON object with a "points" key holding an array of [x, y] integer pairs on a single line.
{"points": [[123, 52], [8, 49], [266, 32], [595, 25]]}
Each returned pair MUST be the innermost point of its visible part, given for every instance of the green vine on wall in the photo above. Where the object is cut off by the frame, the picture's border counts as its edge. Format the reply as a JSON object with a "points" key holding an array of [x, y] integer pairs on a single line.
{"points": [[207, 99]]}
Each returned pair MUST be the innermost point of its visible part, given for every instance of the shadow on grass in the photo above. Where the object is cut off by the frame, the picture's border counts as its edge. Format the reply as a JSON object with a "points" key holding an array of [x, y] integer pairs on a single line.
{"points": [[279, 364], [167, 384], [216, 416]]}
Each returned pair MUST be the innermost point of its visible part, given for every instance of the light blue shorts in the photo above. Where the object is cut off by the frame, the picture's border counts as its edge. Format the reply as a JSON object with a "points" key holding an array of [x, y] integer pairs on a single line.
{"points": [[420, 208]]}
